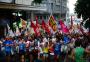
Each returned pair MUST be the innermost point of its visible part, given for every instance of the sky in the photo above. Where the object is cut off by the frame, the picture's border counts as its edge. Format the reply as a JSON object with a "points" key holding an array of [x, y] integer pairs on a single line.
{"points": [[72, 5]]}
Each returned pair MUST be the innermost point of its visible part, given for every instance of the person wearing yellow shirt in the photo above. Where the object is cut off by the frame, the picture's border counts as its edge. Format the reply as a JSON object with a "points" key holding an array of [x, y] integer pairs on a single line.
{"points": [[45, 52]]}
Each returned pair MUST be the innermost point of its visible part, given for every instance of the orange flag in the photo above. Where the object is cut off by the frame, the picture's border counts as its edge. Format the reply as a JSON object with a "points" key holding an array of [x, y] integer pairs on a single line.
{"points": [[23, 22]]}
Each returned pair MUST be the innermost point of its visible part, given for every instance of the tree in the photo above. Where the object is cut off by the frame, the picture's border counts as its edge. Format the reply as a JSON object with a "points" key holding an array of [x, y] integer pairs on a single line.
{"points": [[82, 8]]}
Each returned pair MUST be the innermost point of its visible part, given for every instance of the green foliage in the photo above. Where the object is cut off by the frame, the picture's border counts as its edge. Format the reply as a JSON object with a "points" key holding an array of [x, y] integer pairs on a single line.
{"points": [[37, 1], [82, 8], [87, 24]]}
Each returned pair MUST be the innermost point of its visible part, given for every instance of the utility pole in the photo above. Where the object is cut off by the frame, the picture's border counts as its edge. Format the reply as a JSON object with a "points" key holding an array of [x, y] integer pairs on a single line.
{"points": [[61, 8], [50, 6]]}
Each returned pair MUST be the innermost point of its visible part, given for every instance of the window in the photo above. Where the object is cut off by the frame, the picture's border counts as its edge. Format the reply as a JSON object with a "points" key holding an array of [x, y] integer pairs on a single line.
{"points": [[57, 1], [57, 7]]}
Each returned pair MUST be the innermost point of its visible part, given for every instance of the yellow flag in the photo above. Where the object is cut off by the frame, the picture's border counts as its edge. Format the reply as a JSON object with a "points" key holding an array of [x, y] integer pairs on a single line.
{"points": [[52, 23]]}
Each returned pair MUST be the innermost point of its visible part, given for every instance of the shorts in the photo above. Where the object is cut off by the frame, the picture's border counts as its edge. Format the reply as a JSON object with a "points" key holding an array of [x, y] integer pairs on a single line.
{"points": [[40, 54], [21, 52], [57, 53], [8, 53], [45, 54]]}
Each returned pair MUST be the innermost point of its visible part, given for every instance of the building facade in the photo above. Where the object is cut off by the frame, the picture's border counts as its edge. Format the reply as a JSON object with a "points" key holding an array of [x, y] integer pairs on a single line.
{"points": [[48, 7], [57, 8], [28, 10]]}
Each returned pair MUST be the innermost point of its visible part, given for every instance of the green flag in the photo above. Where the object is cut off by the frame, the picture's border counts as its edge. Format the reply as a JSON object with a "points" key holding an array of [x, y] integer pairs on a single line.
{"points": [[20, 23], [14, 26]]}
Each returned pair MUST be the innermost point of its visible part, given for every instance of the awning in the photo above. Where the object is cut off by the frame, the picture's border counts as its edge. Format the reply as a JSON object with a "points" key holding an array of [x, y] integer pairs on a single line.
{"points": [[21, 7]]}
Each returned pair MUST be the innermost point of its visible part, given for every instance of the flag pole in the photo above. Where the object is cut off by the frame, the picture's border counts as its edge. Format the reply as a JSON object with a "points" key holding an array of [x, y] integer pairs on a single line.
{"points": [[5, 31], [51, 4]]}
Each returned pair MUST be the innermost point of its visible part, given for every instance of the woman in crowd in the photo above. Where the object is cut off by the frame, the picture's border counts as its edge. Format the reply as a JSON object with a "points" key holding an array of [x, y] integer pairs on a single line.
{"points": [[78, 51], [45, 52], [51, 51]]}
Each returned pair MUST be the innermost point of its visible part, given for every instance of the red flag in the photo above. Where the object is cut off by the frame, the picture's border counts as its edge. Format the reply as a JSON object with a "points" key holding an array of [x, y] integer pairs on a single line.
{"points": [[64, 27], [37, 32], [37, 24], [32, 24], [36, 21], [45, 27], [62, 24], [36, 29], [43, 24]]}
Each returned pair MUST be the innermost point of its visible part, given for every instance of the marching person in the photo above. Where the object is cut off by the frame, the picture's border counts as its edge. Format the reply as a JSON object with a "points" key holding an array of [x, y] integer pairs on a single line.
{"points": [[78, 52], [8, 46], [22, 50], [57, 50], [45, 51], [51, 51]]}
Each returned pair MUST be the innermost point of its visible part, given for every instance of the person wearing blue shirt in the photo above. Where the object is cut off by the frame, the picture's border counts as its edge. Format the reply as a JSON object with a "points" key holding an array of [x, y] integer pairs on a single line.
{"points": [[66, 39], [8, 46], [57, 50], [22, 47], [22, 50]]}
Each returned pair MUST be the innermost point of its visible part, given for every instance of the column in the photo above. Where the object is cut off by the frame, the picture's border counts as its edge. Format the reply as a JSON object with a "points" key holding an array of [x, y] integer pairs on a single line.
{"points": [[32, 15]]}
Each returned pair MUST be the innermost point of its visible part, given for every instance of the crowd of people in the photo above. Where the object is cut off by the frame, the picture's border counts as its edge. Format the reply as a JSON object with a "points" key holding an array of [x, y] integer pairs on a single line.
{"points": [[46, 48]]}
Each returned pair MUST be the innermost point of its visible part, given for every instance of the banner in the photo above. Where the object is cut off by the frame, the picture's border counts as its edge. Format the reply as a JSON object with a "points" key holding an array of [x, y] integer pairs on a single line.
{"points": [[52, 23]]}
